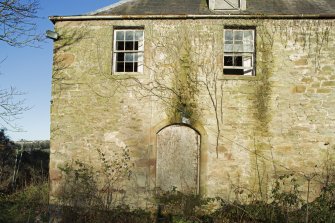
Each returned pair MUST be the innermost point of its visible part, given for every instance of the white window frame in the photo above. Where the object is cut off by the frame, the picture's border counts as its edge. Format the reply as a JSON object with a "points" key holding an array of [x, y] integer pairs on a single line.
{"points": [[128, 50], [239, 51]]}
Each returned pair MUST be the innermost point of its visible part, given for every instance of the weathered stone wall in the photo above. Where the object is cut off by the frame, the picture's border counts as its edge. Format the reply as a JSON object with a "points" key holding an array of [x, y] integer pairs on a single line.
{"points": [[252, 128]]}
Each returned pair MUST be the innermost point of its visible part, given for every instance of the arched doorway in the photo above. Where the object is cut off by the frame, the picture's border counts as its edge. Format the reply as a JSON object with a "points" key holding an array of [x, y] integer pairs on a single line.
{"points": [[178, 155]]}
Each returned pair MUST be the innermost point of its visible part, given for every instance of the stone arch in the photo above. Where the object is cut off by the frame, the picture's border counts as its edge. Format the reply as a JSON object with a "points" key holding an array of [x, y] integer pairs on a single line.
{"points": [[178, 158]]}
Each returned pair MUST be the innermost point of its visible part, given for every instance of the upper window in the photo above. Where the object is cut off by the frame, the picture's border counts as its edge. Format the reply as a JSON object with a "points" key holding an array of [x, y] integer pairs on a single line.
{"points": [[128, 50], [239, 52]]}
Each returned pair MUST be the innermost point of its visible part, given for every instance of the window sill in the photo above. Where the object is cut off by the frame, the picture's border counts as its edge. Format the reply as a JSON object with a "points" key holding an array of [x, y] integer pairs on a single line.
{"points": [[238, 77], [125, 75]]}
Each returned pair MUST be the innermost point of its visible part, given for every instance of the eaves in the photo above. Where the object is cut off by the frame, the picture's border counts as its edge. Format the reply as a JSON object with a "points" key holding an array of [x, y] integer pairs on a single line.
{"points": [[55, 19]]}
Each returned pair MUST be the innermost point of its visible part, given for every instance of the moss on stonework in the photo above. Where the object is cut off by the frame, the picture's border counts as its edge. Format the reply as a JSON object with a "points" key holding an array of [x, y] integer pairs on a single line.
{"points": [[262, 113], [263, 88], [184, 84]]}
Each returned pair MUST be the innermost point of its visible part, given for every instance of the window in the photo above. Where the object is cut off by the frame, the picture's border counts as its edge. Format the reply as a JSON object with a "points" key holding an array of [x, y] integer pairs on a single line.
{"points": [[128, 50], [239, 52]]}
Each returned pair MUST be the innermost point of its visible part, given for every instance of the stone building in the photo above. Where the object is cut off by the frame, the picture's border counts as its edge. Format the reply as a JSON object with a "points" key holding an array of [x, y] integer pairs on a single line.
{"points": [[214, 97]]}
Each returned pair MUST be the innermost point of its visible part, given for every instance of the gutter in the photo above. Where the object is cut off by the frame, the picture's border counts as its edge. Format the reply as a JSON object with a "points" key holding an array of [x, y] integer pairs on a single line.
{"points": [[55, 19]]}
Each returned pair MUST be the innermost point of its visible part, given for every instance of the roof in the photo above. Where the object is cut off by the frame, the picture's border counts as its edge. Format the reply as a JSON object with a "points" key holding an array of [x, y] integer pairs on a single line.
{"points": [[172, 9], [200, 7]]}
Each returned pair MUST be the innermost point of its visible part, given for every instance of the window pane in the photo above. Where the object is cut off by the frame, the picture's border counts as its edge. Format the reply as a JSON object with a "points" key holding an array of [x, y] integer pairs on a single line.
{"points": [[120, 67], [228, 61], [129, 57], [238, 48], [119, 57], [140, 46], [136, 45], [129, 67], [228, 47], [135, 55], [139, 35], [129, 46], [129, 35], [119, 35], [248, 35], [238, 35], [135, 67], [238, 61], [248, 48], [120, 45], [228, 35], [247, 61], [139, 58]]}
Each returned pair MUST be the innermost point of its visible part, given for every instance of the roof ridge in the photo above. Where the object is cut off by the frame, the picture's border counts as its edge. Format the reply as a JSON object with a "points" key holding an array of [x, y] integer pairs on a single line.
{"points": [[116, 4]]}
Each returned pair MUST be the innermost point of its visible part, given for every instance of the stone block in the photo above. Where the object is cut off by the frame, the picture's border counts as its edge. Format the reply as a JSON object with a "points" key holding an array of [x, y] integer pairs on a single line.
{"points": [[324, 90], [299, 89], [307, 80], [328, 84], [301, 62]]}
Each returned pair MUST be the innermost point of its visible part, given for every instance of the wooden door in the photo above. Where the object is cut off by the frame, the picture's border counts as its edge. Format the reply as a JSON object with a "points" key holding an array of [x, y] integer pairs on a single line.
{"points": [[178, 150]]}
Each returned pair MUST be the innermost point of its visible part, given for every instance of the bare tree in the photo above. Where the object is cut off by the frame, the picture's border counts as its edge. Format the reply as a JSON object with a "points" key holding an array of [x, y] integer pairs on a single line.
{"points": [[17, 20], [10, 107], [18, 29]]}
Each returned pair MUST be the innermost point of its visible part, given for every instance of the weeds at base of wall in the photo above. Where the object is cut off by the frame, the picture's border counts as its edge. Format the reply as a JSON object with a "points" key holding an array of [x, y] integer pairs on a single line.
{"points": [[26, 205], [284, 204], [121, 214], [31, 205]]}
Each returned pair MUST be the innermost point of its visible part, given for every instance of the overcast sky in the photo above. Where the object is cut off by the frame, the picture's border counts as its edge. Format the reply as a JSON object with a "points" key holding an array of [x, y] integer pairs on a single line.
{"points": [[29, 69]]}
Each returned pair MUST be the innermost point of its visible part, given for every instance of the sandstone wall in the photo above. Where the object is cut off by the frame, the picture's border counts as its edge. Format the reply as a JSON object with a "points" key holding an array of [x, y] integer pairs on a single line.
{"points": [[252, 128]]}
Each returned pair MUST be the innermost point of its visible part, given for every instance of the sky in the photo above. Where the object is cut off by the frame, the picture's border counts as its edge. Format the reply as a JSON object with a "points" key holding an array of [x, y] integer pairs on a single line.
{"points": [[29, 69]]}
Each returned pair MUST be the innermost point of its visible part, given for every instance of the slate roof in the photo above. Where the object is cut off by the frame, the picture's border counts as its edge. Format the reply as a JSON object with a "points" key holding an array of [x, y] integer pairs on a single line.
{"points": [[200, 7]]}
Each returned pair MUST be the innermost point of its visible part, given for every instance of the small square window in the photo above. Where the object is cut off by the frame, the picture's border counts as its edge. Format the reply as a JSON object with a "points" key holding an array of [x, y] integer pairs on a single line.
{"points": [[128, 50], [239, 52]]}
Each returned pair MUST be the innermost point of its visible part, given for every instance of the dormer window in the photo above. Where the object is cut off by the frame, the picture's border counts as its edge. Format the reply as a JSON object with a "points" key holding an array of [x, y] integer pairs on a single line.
{"points": [[227, 4]]}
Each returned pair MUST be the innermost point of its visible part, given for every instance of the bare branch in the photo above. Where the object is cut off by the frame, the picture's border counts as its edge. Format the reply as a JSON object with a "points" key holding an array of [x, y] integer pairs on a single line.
{"points": [[17, 25], [10, 108]]}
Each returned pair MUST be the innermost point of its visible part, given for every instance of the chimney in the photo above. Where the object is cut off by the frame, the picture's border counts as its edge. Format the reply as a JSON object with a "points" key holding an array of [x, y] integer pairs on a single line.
{"points": [[221, 5]]}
